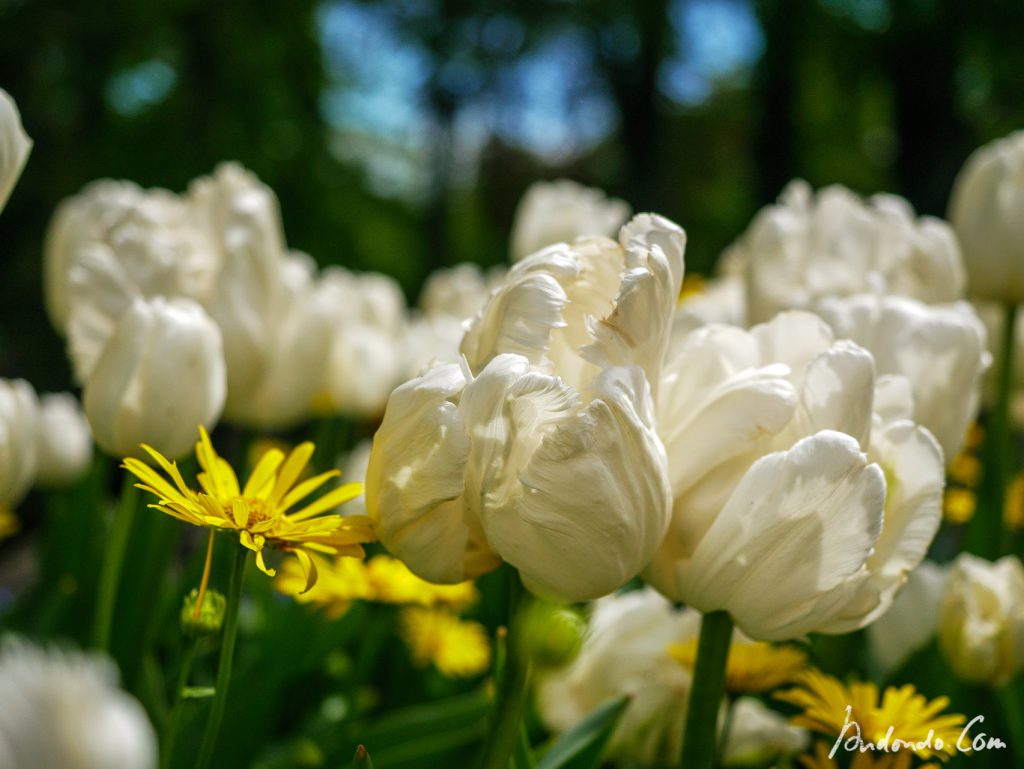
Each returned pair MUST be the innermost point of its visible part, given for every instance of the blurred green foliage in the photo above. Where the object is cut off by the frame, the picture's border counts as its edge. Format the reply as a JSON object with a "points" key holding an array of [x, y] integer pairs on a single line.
{"points": [[700, 109]]}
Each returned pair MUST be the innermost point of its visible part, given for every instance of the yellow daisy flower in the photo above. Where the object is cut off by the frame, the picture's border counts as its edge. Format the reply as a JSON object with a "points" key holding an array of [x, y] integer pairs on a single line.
{"points": [[382, 578], [752, 667], [820, 760], [263, 511], [901, 714], [457, 648]]}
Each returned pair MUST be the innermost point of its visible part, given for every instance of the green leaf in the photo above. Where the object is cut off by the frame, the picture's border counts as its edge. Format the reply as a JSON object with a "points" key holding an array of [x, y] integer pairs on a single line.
{"points": [[361, 760], [523, 757], [198, 692], [582, 746]]}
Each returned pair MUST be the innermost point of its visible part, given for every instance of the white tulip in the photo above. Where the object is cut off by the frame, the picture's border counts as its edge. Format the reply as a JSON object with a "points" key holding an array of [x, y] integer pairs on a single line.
{"points": [[64, 710], [810, 246], [981, 623], [14, 146], [912, 620], [19, 419], [758, 735], [778, 516], [431, 339], [561, 211], [64, 441], [626, 653], [459, 291], [515, 465], [367, 357], [986, 209], [160, 374], [275, 325], [573, 310], [111, 243], [940, 349], [722, 300]]}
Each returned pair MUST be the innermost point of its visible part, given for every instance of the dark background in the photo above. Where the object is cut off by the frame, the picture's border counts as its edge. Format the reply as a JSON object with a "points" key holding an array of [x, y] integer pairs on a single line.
{"points": [[400, 135]]}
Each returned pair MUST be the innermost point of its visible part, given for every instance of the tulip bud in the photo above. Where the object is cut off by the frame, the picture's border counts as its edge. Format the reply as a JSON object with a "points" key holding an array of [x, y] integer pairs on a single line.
{"points": [[560, 212], [19, 418], [551, 634], [211, 614], [458, 291], [65, 442], [160, 374], [981, 623], [985, 209], [14, 146]]}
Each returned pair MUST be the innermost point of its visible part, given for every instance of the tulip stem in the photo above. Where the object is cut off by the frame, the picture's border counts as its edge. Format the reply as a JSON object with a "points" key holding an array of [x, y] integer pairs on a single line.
{"points": [[513, 680], [982, 538], [113, 563], [707, 691], [227, 653], [174, 720]]}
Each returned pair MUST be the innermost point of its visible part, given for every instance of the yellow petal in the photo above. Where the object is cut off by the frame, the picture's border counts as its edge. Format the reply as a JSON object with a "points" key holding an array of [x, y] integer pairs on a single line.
{"points": [[308, 568], [240, 512], [329, 500], [293, 467], [263, 566], [306, 488], [263, 473]]}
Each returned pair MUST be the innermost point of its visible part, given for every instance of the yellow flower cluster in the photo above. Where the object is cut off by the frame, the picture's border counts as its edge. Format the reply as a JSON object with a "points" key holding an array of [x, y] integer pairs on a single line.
{"points": [[8, 524], [429, 621], [964, 471], [752, 667]]}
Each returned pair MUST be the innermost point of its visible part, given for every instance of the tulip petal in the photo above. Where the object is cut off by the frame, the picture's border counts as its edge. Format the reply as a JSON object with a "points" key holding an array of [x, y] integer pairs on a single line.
{"points": [[14, 146], [799, 523]]}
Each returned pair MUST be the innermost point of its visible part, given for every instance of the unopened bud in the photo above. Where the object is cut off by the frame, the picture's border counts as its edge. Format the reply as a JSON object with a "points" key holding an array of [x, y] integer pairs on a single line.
{"points": [[551, 634], [210, 617]]}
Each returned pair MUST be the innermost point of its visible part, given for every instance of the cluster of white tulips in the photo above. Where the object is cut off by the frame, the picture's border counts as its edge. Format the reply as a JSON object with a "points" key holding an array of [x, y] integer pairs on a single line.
{"points": [[770, 452]]}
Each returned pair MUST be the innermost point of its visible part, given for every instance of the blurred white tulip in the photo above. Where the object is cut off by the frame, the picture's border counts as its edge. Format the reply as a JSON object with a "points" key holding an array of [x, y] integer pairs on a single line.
{"points": [[626, 653], [514, 465], [459, 291], [561, 211], [981, 622], [912, 620], [831, 243], [987, 210], [778, 515], [275, 325], [940, 349], [19, 423], [14, 146], [64, 710], [114, 242], [64, 441], [367, 357], [758, 735], [160, 375]]}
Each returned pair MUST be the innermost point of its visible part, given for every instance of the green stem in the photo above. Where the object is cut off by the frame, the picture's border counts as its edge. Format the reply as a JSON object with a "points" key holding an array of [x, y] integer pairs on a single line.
{"points": [[982, 537], [227, 653], [723, 737], [174, 721], [707, 691], [514, 677], [1010, 698], [113, 563]]}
